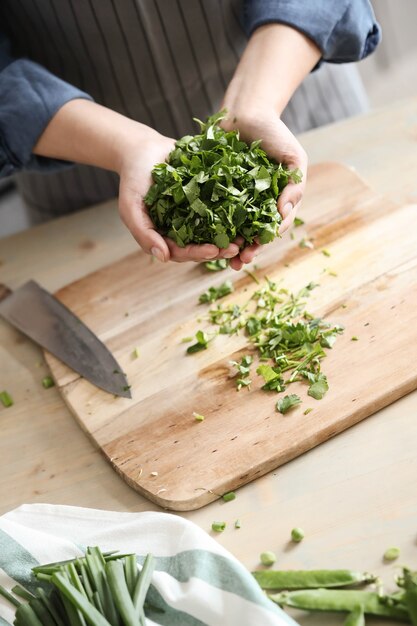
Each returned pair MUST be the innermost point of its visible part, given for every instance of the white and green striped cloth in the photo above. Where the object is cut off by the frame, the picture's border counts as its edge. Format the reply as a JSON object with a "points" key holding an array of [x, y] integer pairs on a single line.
{"points": [[196, 581]]}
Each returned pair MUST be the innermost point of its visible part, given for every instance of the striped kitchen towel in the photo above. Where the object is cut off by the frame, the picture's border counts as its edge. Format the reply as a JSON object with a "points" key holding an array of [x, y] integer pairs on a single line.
{"points": [[196, 582]]}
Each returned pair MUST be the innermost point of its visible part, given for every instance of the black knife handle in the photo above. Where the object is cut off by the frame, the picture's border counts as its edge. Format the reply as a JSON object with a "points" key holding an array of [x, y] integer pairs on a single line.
{"points": [[4, 292]]}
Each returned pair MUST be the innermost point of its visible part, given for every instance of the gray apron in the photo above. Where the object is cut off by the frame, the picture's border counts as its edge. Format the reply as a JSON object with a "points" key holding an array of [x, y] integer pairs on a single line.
{"points": [[161, 62]]}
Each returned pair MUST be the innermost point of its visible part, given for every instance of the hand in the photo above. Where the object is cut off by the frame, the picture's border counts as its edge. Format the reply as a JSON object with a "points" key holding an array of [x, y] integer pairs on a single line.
{"points": [[281, 145], [135, 180]]}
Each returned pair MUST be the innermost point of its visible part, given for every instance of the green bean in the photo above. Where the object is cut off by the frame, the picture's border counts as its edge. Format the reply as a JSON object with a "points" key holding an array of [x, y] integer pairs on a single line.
{"points": [[22, 592], [8, 596], [93, 617], [310, 579], [42, 612], [120, 591], [142, 585], [339, 600], [355, 618], [27, 615], [131, 572]]}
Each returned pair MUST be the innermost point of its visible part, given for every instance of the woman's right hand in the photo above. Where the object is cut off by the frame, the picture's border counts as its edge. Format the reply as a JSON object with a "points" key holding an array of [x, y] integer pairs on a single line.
{"points": [[137, 161]]}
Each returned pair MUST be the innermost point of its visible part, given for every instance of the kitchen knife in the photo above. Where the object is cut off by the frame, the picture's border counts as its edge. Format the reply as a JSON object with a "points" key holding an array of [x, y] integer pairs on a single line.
{"points": [[40, 316]]}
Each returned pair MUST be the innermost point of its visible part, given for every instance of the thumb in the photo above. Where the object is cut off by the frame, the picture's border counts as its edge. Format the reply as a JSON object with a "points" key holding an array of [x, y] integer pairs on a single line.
{"points": [[135, 216]]}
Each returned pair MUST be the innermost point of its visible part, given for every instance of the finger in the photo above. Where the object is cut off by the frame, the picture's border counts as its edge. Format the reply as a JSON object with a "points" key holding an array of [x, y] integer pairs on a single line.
{"points": [[134, 215], [191, 252], [250, 252], [289, 219], [236, 263], [229, 252]]}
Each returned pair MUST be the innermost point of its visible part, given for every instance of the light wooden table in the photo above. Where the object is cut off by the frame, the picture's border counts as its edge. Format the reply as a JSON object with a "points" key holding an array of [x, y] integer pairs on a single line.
{"points": [[354, 495]]}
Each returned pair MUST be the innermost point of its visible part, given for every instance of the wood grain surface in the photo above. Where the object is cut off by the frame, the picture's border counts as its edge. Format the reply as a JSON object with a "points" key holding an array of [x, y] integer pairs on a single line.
{"points": [[153, 440]]}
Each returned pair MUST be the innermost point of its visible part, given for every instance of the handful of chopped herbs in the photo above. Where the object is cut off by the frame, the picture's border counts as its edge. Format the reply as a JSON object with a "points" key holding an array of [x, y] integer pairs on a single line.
{"points": [[289, 342], [215, 187]]}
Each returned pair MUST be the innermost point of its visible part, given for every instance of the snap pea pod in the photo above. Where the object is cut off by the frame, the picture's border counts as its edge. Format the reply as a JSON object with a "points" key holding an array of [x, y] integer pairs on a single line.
{"points": [[310, 579], [355, 618], [340, 600], [410, 597]]}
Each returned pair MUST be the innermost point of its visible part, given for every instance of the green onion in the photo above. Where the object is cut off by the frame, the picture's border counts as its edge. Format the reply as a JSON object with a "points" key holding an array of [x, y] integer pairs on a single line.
{"points": [[218, 527], [227, 497]]}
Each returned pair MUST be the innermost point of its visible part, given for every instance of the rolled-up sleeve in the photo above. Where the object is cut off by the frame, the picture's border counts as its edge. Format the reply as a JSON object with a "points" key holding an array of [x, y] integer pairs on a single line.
{"points": [[344, 31], [29, 97]]}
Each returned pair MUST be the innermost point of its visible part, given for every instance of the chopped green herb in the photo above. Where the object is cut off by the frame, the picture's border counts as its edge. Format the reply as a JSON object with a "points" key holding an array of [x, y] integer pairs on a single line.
{"points": [[306, 243], [252, 275], [218, 527], [319, 387], [297, 535], [6, 399], [202, 343], [332, 273], [47, 382], [288, 402], [298, 222], [354, 338], [391, 554], [186, 339], [325, 252], [215, 187], [198, 417], [292, 236], [136, 353], [228, 497], [243, 368], [215, 293], [217, 266], [307, 411], [267, 558], [126, 387], [290, 342], [238, 524]]}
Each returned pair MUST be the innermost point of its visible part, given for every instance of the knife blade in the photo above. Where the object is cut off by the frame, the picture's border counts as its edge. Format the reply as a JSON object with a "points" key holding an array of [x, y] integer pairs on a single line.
{"points": [[39, 315]]}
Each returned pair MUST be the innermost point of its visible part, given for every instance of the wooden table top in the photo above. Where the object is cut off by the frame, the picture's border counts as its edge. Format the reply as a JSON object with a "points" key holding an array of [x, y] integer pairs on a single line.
{"points": [[354, 496]]}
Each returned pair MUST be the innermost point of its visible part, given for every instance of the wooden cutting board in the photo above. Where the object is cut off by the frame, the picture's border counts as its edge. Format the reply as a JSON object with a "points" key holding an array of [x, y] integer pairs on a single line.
{"points": [[154, 442]]}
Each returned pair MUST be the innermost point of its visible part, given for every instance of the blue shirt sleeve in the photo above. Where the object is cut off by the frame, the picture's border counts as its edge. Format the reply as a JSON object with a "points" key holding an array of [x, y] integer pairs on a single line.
{"points": [[29, 97], [344, 30]]}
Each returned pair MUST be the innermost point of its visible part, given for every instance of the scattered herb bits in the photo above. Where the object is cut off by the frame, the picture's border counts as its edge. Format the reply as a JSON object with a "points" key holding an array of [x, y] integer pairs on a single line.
{"points": [[215, 293], [391, 554], [354, 338], [238, 524], [135, 353], [218, 527], [215, 187], [325, 252], [47, 382], [267, 558], [228, 497], [298, 222], [307, 411], [201, 344], [6, 399], [306, 243], [289, 342], [216, 266], [198, 417], [297, 535], [287, 403]]}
